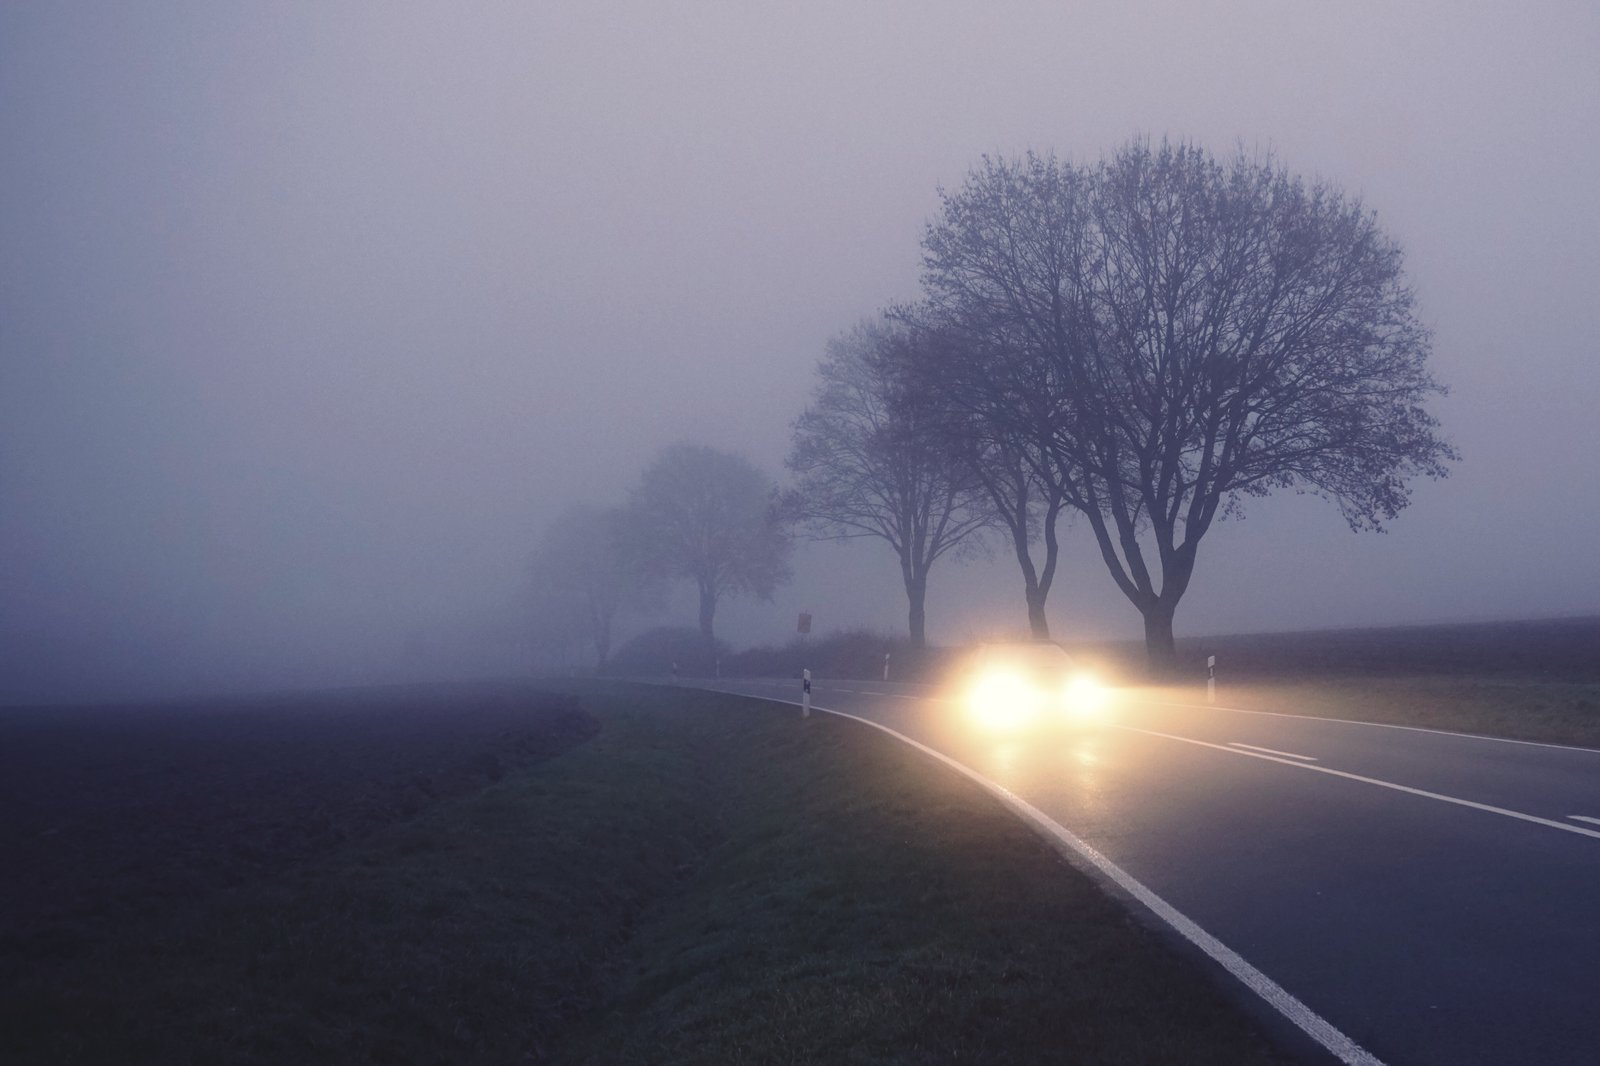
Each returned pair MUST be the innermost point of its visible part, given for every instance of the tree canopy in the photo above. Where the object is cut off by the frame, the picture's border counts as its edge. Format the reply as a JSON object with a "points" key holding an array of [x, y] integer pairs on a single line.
{"points": [[711, 517], [1177, 333], [869, 463]]}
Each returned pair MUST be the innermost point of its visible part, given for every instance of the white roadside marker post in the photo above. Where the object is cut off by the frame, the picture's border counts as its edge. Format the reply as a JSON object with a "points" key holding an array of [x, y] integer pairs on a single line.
{"points": [[1211, 679], [805, 694], [886, 666]]}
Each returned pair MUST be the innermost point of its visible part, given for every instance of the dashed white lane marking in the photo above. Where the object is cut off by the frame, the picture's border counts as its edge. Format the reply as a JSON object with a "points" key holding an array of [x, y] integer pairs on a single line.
{"points": [[1271, 751], [1584, 818], [1441, 797], [1303, 1017], [903, 696]]}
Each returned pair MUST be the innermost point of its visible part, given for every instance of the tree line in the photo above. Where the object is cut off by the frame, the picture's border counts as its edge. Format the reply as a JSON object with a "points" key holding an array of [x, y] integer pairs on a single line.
{"points": [[1145, 343]]}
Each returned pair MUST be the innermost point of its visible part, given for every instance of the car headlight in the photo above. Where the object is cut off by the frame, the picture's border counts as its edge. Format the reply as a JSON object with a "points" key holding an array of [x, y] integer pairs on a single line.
{"points": [[1085, 697], [1003, 701]]}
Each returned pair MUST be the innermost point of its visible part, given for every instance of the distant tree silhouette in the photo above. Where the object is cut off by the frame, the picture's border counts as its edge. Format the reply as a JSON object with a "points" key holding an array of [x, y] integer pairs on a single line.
{"points": [[869, 463], [1176, 334], [711, 517], [580, 576]]}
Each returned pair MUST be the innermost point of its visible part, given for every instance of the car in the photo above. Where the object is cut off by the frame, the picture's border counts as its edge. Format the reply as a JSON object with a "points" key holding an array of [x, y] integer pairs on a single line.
{"points": [[1015, 686]]}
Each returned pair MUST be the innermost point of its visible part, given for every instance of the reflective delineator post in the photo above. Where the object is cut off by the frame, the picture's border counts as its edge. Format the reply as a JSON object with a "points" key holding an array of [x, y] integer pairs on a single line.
{"points": [[886, 666], [1211, 679], [805, 694]]}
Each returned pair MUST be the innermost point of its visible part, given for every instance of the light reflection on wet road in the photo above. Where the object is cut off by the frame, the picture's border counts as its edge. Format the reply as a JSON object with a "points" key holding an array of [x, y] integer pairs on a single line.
{"points": [[1430, 895]]}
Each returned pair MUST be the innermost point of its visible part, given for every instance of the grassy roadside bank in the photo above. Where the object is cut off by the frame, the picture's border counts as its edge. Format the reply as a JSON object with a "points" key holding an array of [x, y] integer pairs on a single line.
{"points": [[1546, 711], [702, 881], [867, 905]]}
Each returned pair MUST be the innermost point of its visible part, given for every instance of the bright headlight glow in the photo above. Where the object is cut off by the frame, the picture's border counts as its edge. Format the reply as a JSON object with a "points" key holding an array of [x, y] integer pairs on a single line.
{"points": [[1085, 697], [1003, 701]]}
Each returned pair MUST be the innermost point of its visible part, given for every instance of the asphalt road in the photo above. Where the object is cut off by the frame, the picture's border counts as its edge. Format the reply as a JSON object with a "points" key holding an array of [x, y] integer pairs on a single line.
{"points": [[1431, 896]]}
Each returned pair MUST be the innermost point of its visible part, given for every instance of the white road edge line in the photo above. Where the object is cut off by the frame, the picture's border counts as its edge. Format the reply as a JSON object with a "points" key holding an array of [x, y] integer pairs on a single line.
{"points": [[1304, 1018], [1376, 725], [1271, 751], [1279, 998], [1584, 818], [1474, 804]]}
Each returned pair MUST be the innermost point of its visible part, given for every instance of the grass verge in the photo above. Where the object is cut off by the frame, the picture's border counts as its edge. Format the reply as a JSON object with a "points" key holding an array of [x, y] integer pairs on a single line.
{"points": [[1550, 712], [705, 880], [869, 906]]}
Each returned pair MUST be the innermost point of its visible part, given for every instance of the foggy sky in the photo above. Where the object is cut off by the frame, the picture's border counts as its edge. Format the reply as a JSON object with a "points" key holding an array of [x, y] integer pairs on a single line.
{"points": [[312, 314]]}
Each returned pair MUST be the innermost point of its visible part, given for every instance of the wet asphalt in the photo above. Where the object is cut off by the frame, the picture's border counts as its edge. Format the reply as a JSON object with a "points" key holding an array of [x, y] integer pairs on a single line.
{"points": [[1430, 895]]}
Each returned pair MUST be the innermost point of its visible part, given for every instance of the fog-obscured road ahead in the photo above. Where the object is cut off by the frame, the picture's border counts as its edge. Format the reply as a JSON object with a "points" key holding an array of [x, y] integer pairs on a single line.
{"points": [[1435, 897]]}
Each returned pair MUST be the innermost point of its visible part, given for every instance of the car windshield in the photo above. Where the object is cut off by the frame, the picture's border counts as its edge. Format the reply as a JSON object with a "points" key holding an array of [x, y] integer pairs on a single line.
{"points": [[1047, 659]]}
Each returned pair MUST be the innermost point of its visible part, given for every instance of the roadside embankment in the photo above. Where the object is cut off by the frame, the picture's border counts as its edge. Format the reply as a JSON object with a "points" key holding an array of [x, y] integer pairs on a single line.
{"points": [[705, 879]]}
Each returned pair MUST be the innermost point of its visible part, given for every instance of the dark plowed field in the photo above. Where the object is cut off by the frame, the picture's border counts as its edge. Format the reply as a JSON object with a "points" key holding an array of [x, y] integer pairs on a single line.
{"points": [[111, 813]]}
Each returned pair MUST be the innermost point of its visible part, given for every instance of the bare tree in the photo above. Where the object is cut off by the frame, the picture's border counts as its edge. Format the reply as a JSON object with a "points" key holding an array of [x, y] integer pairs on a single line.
{"points": [[581, 575], [1015, 471], [1192, 333], [868, 464], [713, 518], [1027, 500]]}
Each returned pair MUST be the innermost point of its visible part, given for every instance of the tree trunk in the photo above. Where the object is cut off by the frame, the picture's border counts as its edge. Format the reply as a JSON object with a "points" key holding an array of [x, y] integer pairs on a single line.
{"points": [[1031, 592], [1038, 625], [1158, 642], [1047, 576], [917, 594], [708, 611]]}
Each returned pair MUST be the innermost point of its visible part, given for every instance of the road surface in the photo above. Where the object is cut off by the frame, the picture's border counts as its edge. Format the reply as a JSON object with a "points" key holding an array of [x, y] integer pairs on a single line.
{"points": [[1433, 897]]}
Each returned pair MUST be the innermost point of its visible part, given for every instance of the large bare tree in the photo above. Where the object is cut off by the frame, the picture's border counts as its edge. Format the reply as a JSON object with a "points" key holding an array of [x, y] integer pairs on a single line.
{"points": [[867, 463], [975, 416], [713, 518], [1187, 332], [1027, 500]]}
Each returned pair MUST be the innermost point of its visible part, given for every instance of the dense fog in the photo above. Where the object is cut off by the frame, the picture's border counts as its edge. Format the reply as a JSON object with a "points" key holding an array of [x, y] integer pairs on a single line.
{"points": [[313, 316]]}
